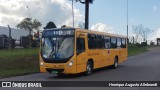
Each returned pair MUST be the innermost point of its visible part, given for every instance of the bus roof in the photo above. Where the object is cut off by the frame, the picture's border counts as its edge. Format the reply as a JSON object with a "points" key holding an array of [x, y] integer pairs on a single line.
{"points": [[63, 27], [101, 33], [89, 31]]}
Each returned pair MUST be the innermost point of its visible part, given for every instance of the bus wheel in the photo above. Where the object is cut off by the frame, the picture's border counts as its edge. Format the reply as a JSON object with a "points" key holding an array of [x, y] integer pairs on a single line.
{"points": [[115, 65], [89, 68]]}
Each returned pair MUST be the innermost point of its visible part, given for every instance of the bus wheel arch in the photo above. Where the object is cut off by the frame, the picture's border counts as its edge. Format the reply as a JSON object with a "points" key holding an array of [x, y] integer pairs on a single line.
{"points": [[115, 65], [89, 67]]}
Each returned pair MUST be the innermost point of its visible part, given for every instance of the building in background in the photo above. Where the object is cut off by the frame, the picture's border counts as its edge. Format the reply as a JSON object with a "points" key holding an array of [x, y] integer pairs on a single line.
{"points": [[15, 33]]}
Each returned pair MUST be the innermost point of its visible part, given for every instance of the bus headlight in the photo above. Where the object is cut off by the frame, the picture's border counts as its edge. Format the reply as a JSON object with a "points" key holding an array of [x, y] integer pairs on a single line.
{"points": [[70, 63], [42, 64]]}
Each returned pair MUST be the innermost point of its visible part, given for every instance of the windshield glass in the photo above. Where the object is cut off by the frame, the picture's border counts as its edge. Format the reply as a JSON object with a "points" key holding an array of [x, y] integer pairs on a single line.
{"points": [[57, 47]]}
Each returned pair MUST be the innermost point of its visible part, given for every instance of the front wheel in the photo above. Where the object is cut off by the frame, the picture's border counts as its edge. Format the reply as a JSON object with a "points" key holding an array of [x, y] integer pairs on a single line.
{"points": [[89, 68], [115, 65]]}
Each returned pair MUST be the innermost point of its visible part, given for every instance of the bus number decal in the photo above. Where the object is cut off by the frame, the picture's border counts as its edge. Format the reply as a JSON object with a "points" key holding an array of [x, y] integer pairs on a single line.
{"points": [[108, 51]]}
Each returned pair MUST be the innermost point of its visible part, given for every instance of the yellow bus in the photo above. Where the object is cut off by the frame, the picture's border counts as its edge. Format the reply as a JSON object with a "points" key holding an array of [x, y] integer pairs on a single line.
{"points": [[73, 50]]}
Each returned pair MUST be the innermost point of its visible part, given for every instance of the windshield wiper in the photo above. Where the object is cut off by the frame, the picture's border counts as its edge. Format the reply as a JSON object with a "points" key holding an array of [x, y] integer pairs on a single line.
{"points": [[53, 47]]}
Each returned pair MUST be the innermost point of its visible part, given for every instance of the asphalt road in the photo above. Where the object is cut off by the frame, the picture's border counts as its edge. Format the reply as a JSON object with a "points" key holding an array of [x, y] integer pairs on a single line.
{"points": [[143, 67]]}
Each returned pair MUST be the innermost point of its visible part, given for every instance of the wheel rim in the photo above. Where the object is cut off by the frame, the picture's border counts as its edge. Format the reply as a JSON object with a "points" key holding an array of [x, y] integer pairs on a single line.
{"points": [[88, 68], [116, 64]]}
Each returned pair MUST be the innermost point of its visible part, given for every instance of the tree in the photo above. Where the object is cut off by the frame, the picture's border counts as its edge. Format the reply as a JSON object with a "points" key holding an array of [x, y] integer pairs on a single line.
{"points": [[29, 24], [86, 2], [36, 24], [145, 33], [140, 30], [137, 29], [50, 25]]}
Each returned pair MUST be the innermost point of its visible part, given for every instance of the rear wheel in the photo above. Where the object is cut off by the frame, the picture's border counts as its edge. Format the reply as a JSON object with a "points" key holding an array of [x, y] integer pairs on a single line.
{"points": [[89, 68], [115, 65]]}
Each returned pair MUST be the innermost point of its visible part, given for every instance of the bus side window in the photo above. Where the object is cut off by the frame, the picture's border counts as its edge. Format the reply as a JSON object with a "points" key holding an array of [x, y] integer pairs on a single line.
{"points": [[119, 45], [123, 43], [80, 45], [92, 41], [107, 42], [100, 42], [113, 43]]}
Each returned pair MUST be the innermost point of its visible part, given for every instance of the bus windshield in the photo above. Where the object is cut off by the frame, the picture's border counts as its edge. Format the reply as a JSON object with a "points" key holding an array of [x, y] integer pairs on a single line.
{"points": [[57, 47]]}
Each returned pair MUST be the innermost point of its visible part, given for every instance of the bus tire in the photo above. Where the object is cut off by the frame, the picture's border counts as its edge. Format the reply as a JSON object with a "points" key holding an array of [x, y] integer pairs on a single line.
{"points": [[115, 65], [89, 68]]}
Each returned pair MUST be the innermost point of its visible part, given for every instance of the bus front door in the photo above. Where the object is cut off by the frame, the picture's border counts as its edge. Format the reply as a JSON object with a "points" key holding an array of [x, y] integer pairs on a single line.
{"points": [[81, 52]]}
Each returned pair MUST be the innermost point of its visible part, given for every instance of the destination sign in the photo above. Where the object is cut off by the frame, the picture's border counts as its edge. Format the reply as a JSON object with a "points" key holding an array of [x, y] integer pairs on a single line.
{"points": [[53, 33]]}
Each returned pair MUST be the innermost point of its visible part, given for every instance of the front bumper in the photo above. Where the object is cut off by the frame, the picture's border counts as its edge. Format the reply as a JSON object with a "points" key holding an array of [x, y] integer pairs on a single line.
{"points": [[58, 68]]}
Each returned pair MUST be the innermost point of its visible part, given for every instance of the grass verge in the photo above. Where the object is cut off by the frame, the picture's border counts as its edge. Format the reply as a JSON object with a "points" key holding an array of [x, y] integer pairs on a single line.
{"points": [[18, 62], [135, 50]]}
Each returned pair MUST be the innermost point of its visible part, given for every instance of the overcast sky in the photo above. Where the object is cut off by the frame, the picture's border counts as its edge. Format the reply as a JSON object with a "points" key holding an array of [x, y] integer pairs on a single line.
{"points": [[105, 15]]}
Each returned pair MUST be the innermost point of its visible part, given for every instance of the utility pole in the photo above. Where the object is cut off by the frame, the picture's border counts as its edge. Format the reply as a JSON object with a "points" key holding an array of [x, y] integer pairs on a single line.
{"points": [[86, 2], [86, 14], [73, 13], [9, 37], [127, 23]]}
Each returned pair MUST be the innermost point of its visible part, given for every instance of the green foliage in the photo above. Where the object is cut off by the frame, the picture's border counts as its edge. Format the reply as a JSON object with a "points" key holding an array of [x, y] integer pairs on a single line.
{"points": [[29, 24], [18, 62], [50, 25], [144, 44], [36, 24], [134, 49]]}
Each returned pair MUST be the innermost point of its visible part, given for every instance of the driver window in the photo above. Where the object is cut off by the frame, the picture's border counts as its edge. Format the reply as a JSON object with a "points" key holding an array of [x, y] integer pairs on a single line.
{"points": [[80, 45]]}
